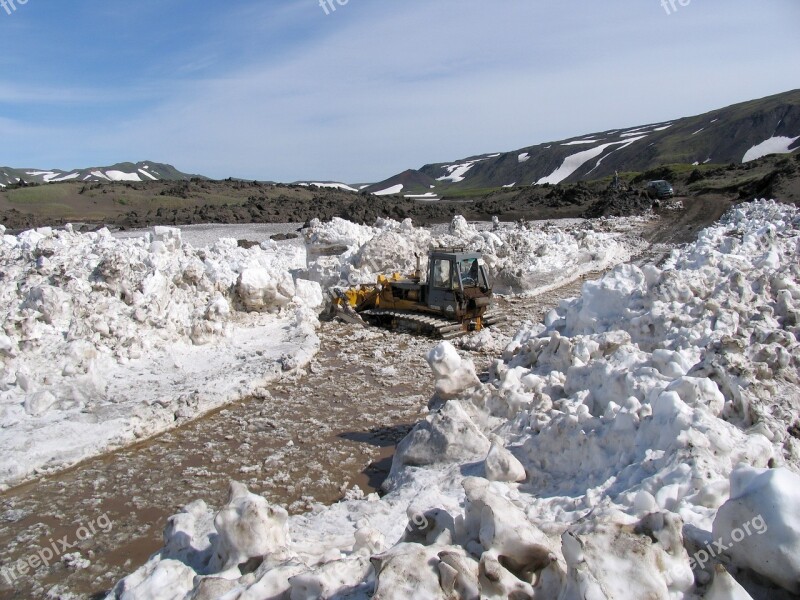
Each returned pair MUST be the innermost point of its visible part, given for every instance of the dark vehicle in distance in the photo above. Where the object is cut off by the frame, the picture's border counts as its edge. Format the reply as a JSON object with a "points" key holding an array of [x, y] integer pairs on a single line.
{"points": [[659, 189]]}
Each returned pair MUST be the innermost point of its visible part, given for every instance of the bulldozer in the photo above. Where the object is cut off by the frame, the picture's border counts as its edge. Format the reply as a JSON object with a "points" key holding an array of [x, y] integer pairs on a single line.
{"points": [[452, 300]]}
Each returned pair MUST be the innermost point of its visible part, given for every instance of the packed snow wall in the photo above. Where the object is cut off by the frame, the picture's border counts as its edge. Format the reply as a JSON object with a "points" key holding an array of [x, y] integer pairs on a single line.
{"points": [[107, 341], [522, 259]]}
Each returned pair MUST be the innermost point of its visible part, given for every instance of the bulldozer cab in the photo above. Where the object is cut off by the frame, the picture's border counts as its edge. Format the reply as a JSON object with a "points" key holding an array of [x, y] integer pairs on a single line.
{"points": [[453, 300], [457, 282]]}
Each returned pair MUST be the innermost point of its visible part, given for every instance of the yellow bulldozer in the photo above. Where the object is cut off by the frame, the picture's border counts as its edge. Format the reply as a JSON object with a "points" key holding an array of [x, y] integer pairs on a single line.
{"points": [[452, 301]]}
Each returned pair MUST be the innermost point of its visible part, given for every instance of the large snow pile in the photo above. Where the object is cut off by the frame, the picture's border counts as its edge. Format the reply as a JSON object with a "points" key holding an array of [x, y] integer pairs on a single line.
{"points": [[105, 341], [521, 259], [640, 440]]}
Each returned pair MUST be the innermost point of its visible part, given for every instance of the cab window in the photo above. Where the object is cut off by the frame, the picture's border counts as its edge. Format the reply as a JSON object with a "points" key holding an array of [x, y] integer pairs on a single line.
{"points": [[442, 274], [470, 272]]}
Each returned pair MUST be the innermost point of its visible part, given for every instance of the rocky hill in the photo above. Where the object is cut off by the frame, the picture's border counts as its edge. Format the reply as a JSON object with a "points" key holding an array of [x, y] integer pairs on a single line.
{"points": [[141, 171], [736, 134]]}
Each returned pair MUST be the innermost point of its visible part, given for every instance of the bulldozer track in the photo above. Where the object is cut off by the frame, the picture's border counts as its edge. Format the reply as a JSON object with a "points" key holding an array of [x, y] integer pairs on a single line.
{"points": [[431, 326], [426, 325], [494, 319]]}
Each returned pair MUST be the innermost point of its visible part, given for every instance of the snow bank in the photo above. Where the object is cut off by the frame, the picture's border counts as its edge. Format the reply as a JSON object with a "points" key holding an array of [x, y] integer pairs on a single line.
{"points": [[521, 259], [106, 341], [649, 419]]}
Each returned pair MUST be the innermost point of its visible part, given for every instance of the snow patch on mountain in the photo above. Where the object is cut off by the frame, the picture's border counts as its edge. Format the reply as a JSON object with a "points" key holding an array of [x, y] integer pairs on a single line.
{"points": [[774, 145], [115, 175], [425, 196], [457, 172], [331, 184], [53, 176], [575, 161], [390, 191]]}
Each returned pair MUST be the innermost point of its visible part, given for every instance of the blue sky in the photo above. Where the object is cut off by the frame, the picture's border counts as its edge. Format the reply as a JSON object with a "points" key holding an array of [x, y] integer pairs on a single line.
{"points": [[280, 90]]}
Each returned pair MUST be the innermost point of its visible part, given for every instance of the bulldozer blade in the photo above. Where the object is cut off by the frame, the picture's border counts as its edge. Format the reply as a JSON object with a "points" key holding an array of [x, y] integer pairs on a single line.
{"points": [[348, 316]]}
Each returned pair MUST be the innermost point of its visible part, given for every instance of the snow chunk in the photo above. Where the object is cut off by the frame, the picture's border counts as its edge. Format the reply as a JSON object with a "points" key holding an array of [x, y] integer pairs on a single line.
{"points": [[168, 579], [261, 290], [447, 436], [453, 374], [501, 465], [760, 524], [309, 293], [38, 403], [248, 527]]}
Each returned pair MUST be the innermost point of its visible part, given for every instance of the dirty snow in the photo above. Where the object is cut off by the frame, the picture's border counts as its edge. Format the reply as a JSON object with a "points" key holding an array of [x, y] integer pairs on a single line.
{"points": [[106, 338], [106, 341], [641, 423], [527, 259]]}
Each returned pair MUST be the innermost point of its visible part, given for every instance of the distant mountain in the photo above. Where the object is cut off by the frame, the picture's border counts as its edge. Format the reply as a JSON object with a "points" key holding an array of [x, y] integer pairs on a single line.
{"points": [[142, 171], [735, 134]]}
